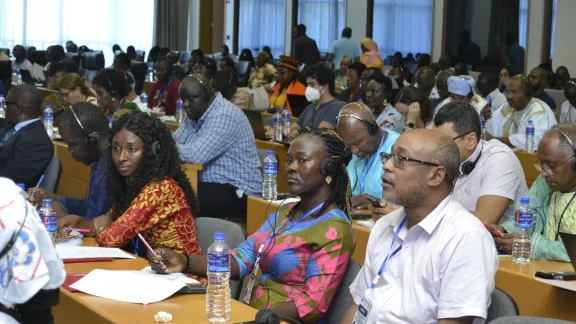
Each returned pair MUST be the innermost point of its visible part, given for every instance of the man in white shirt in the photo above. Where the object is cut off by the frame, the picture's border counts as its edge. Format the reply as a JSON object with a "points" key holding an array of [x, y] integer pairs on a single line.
{"points": [[491, 176], [487, 87], [440, 263], [508, 123], [568, 109], [20, 62], [461, 88]]}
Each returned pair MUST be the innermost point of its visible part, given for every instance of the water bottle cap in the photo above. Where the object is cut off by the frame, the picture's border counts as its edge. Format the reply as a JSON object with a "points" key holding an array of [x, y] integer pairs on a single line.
{"points": [[524, 200], [530, 121], [47, 202], [270, 153], [22, 186], [48, 106], [219, 236]]}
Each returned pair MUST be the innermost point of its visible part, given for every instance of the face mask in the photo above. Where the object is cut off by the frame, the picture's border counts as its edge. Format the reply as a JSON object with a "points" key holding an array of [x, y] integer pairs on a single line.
{"points": [[312, 94]]}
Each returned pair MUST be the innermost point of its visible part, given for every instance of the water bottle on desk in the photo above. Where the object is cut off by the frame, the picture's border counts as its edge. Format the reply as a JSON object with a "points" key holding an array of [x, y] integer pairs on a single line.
{"points": [[49, 218], [14, 78], [179, 112], [277, 126], [270, 186], [286, 117], [2, 105], [49, 121], [522, 243], [482, 127], [530, 137], [218, 308], [19, 78], [150, 74]]}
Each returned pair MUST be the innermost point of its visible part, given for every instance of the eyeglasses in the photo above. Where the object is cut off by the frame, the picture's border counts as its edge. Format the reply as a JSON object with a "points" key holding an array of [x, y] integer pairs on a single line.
{"points": [[460, 136], [544, 169], [399, 160]]}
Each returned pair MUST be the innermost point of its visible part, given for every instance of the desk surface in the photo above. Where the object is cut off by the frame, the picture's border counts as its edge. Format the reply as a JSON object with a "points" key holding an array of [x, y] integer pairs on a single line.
{"points": [[78, 307]]}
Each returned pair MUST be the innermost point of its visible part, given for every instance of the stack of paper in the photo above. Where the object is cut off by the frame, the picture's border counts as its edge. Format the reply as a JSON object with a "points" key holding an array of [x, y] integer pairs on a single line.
{"points": [[368, 223], [90, 252], [127, 286]]}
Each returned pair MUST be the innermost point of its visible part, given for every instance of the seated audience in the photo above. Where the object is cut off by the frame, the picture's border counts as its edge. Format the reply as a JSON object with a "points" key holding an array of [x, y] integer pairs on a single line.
{"points": [[54, 54], [562, 77], [218, 135], [269, 51], [538, 82], [227, 64], [487, 87], [324, 108], [442, 84], [112, 88], [415, 108], [568, 109], [264, 72], [225, 82], [445, 272], [154, 54], [365, 77], [461, 88], [344, 47], [75, 125], [163, 52], [20, 61], [32, 271], [398, 62], [341, 78], [225, 53], [195, 56], [425, 80], [353, 92], [57, 71], [74, 89], [508, 123], [287, 83], [131, 52], [461, 69], [370, 55], [116, 48], [364, 139], [71, 47], [551, 196], [303, 292], [25, 148], [122, 62], [304, 48], [246, 55], [165, 91], [148, 190], [207, 67], [491, 178], [505, 74], [424, 60], [398, 74], [378, 93]]}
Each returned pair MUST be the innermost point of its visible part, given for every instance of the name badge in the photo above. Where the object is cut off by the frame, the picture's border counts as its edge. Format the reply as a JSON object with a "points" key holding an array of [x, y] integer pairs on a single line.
{"points": [[363, 311]]}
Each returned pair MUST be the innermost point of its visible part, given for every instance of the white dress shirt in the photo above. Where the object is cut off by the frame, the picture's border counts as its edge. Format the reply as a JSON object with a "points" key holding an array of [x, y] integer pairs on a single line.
{"points": [[496, 99], [477, 102], [25, 65], [445, 268], [567, 113], [498, 172]]}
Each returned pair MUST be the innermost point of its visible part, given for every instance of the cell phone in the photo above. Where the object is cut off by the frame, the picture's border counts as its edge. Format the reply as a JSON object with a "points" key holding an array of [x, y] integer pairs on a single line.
{"points": [[558, 275], [192, 289], [283, 195], [361, 216], [493, 230], [373, 201]]}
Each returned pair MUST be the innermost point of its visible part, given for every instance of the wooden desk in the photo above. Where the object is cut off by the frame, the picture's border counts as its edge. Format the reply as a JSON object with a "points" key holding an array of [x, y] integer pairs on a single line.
{"points": [[45, 92], [280, 151], [527, 161], [535, 298], [78, 307], [259, 209], [172, 126]]}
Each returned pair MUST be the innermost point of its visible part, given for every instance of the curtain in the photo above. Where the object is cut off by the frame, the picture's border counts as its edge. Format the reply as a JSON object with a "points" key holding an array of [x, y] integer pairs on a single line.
{"points": [[172, 24], [523, 23], [403, 25], [261, 23], [324, 20], [96, 24]]}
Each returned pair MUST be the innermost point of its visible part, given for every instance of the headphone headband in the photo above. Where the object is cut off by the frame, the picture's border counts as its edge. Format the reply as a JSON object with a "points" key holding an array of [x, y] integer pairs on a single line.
{"points": [[372, 127], [92, 138]]}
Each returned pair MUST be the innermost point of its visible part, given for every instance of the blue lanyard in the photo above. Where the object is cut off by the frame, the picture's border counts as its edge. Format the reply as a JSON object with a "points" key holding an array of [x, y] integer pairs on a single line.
{"points": [[389, 256], [163, 93], [135, 243], [370, 163]]}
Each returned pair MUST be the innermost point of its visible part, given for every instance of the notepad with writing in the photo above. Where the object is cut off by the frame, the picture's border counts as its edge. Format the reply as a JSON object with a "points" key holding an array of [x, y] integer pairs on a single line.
{"points": [[67, 252]]}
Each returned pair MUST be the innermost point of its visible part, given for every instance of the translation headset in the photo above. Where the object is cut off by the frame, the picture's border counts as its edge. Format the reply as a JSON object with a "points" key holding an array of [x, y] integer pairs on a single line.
{"points": [[155, 145], [93, 138], [573, 163], [205, 92], [372, 127], [573, 167], [468, 166]]}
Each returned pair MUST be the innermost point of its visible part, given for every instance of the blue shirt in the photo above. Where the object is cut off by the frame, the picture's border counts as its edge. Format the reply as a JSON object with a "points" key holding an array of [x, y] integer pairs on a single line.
{"points": [[367, 173], [222, 141], [344, 47], [97, 202], [21, 125]]}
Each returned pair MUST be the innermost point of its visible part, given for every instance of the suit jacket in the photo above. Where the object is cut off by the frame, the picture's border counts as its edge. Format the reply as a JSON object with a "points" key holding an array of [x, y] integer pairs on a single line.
{"points": [[25, 156]]}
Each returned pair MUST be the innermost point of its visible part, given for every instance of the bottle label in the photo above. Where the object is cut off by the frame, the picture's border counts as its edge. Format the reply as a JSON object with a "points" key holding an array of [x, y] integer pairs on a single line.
{"points": [[524, 219], [50, 222], [277, 120], [483, 124], [218, 262], [270, 168]]}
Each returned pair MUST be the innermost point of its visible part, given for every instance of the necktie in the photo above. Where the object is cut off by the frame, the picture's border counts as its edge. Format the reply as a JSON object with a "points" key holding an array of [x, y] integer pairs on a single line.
{"points": [[9, 134]]}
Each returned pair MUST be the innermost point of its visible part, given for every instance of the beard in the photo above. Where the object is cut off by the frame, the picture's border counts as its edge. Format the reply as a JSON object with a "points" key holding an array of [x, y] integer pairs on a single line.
{"points": [[409, 195]]}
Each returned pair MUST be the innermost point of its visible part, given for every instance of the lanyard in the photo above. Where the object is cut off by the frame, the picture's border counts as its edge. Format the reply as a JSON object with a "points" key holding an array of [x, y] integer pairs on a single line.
{"points": [[370, 163], [163, 93], [389, 256]]}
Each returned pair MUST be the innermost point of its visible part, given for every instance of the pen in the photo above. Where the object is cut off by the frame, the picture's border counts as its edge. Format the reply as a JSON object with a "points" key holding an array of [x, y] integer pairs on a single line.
{"points": [[36, 188], [149, 247], [81, 230]]}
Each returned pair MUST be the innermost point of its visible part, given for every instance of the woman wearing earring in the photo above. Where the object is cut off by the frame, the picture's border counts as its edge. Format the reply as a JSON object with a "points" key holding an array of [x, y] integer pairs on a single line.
{"points": [[112, 88], [378, 99]]}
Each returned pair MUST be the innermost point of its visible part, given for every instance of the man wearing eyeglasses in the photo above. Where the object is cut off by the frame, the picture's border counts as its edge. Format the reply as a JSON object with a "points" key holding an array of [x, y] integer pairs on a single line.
{"points": [[491, 176], [430, 261], [552, 196]]}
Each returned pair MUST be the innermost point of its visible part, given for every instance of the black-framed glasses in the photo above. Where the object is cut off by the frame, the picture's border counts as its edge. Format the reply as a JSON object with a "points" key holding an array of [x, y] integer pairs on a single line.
{"points": [[460, 136], [399, 160]]}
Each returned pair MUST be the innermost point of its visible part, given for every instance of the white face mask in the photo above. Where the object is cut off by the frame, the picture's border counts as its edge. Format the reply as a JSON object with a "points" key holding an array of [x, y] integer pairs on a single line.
{"points": [[312, 94]]}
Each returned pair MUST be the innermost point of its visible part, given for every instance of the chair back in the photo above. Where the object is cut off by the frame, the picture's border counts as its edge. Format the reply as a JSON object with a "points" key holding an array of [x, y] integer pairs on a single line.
{"points": [[502, 305], [92, 61], [5, 70], [411, 68], [5, 50], [52, 175], [179, 72], [276, 62], [73, 57], [38, 57], [141, 53], [184, 57], [139, 70], [527, 161], [28, 50], [558, 96], [527, 320], [243, 69], [342, 299]]}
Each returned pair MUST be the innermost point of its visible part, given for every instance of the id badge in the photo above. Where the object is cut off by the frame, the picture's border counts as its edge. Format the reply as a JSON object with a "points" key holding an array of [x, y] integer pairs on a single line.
{"points": [[251, 282], [363, 311]]}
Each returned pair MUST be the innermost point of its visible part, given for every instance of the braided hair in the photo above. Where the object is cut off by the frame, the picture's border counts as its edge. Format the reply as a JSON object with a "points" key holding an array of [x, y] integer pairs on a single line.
{"points": [[152, 167], [336, 149]]}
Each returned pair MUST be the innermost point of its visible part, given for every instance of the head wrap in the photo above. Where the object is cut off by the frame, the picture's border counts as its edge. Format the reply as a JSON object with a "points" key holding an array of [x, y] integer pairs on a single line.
{"points": [[289, 62], [459, 85]]}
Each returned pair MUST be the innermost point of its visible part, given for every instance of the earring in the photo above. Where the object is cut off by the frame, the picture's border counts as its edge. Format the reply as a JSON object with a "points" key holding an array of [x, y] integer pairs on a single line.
{"points": [[328, 179]]}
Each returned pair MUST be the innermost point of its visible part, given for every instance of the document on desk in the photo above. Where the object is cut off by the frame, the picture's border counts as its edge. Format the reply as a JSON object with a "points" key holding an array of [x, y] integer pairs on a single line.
{"points": [[178, 277], [127, 286], [38, 72], [368, 223], [568, 285], [89, 252]]}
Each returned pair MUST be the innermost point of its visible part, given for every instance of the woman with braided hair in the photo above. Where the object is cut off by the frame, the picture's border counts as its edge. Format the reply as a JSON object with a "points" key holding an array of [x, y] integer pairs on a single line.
{"points": [[302, 251]]}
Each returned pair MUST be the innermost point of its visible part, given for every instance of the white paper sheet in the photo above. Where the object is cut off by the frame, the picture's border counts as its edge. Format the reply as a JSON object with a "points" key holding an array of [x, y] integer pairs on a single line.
{"points": [[81, 252], [368, 223], [74, 239], [178, 277], [568, 285], [38, 72], [127, 286]]}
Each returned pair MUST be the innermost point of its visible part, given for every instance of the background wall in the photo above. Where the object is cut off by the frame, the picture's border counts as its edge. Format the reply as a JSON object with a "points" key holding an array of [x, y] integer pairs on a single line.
{"points": [[565, 44], [356, 18]]}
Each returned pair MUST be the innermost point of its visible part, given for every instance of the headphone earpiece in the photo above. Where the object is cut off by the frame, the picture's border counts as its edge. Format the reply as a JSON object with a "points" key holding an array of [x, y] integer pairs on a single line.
{"points": [[467, 167], [372, 128], [328, 167], [155, 148], [93, 139]]}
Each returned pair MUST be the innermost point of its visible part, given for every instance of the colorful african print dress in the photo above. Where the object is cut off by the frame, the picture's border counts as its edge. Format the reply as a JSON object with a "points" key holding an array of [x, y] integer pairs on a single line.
{"points": [[304, 263], [162, 214], [128, 107]]}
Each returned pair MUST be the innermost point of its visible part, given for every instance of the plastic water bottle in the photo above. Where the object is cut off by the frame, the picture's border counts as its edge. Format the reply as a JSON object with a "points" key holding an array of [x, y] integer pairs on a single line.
{"points": [[19, 78], [530, 137], [150, 74], [144, 98], [23, 192], [269, 186], [522, 243], [179, 112], [2, 106], [277, 126], [14, 78], [49, 218], [286, 118], [218, 307], [482, 127], [49, 121]]}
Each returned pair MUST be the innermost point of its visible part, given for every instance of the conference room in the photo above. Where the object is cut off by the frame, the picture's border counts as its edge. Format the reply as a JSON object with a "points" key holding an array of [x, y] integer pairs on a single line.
{"points": [[287, 161]]}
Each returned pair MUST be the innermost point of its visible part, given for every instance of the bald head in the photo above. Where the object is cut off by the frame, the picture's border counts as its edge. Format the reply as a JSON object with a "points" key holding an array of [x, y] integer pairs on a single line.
{"points": [[354, 123], [358, 110], [29, 98], [197, 95]]}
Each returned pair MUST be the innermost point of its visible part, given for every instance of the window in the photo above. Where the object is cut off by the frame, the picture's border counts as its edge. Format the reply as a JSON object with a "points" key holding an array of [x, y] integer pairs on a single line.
{"points": [[261, 23], [98, 25], [523, 23], [403, 25], [324, 20]]}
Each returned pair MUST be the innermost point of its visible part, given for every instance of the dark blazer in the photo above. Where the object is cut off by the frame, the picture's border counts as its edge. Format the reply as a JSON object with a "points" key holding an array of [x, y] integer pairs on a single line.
{"points": [[25, 156]]}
